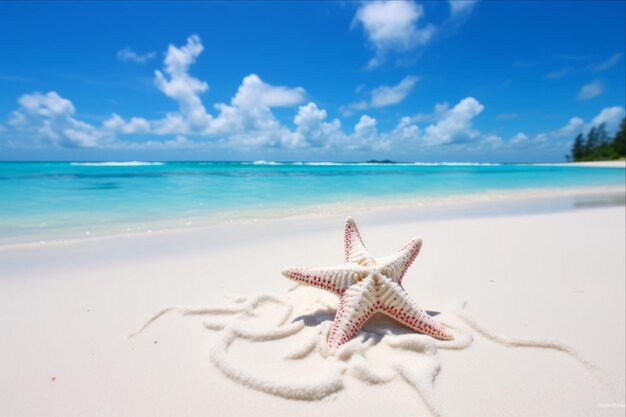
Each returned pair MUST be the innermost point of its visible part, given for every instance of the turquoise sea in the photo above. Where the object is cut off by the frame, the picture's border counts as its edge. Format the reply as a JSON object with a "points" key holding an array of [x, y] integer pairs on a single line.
{"points": [[38, 198]]}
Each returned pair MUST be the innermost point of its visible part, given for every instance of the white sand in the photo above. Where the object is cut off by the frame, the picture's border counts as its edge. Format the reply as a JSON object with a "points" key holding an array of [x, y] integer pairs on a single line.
{"points": [[66, 312], [598, 164]]}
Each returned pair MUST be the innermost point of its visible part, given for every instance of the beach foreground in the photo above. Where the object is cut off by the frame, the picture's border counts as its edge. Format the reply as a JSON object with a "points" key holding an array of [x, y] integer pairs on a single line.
{"points": [[67, 311]]}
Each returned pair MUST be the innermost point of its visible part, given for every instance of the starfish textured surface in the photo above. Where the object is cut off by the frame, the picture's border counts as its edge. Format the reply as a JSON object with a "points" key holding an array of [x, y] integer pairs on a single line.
{"points": [[366, 285]]}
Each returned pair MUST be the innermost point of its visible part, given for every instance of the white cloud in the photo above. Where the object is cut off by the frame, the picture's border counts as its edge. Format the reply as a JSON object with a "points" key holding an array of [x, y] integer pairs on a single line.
{"points": [[450, 127], [254, 92], [455, 126], [179, 142], [312, 129], [136, 125], [247, 121], [559, 73], [400, 25], [490, 142], [573, 127], [383, 96], [51, 117], [539, 141], [46, 105], [604, 65], [519, 138], [177, 84], [461, 7], [610, 116], [591, 90], [366, 127], [367, 137], [440, 110], [127, 54], [392, 26]]}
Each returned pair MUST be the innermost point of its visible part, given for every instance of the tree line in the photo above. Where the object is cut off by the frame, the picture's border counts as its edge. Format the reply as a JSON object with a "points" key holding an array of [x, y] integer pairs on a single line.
{"points": [[597, 145]]}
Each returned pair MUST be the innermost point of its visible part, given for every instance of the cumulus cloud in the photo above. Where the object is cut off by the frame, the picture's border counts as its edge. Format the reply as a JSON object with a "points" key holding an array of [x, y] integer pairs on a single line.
{"points": [[51, 117], [248, 122], [440, 110], [383, 96], [180, 86], [136, 125], [573, 127], [400, 26], [366, 127], [519, 138], [392, 26], [604, 65], [254, 92], [45, 105], [591, 90], [455, 126], [610, 116], [127, 54], [312, 129], [448, 127], [247, 119]]}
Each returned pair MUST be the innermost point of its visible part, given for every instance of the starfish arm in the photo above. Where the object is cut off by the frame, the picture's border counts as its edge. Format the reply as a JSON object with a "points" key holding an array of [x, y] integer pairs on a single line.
{"points": [[335, 279], [355, 307], [396, 265], [396, 303], [354, 248]]}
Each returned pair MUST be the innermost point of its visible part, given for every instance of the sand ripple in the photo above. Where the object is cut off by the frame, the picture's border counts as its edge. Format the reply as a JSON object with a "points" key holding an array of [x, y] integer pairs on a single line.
{"points": [[274, 344]]}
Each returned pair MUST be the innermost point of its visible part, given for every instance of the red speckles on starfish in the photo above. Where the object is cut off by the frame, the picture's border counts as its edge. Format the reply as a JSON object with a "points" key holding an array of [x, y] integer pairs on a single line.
{"points": [[365, 286]]}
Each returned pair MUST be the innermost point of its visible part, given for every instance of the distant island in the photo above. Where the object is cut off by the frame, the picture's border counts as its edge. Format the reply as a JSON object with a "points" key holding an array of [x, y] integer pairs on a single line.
{"points": [[597, 145], [380, 161]]}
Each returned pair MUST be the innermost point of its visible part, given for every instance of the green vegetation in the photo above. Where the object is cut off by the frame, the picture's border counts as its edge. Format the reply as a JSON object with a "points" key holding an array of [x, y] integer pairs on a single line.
{"points": [[380, 161], [598, 146]]}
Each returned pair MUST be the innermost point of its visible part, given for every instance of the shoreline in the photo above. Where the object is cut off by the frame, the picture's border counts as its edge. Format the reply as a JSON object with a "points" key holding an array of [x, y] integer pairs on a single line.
{"points": [[490, 203], [620, 163]]}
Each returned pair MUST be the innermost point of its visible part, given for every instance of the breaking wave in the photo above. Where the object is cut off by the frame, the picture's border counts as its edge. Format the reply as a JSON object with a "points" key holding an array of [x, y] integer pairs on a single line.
{"points": [[323, 163], [115, 164]]}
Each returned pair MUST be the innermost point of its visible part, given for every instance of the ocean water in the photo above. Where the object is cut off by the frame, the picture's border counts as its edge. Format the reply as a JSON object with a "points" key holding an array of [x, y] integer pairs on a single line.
{"points": [[37, 199]]}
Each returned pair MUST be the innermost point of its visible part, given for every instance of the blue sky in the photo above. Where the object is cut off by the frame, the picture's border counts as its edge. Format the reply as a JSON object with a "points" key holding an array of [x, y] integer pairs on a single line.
{"points": [[409, 81]]}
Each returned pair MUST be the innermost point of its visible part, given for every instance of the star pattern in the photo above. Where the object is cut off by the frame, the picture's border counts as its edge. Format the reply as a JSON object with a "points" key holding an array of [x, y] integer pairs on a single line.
{"points": [[366, 285]]}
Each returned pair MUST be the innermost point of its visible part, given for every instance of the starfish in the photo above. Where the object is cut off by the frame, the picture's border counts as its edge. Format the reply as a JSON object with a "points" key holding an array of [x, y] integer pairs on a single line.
{"points": [[366, 285]]}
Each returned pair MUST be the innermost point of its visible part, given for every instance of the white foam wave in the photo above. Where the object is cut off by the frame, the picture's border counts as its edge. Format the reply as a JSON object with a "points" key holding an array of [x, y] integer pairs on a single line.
{"points": [[262, 162], [115, 164], [328, 163], [457, 164]]}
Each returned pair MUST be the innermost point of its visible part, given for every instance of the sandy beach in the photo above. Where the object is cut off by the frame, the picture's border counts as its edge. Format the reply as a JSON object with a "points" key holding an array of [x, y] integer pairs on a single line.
{"points": [[67, 311], [591, 164]]}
